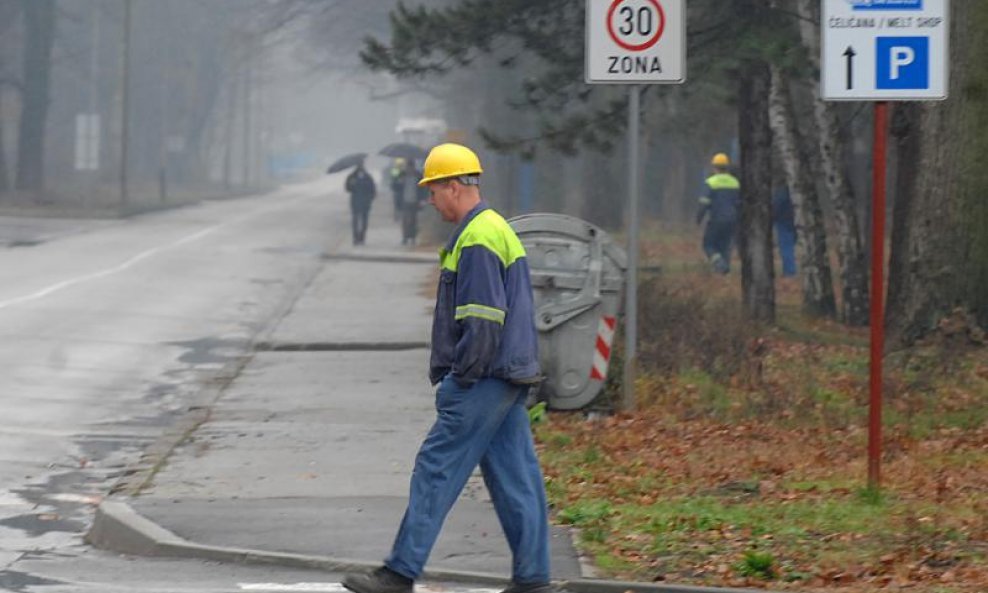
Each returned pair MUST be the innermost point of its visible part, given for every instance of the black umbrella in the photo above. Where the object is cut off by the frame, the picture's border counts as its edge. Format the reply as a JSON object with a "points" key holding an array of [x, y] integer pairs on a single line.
{"points": [[350, 160], [404, 150]]}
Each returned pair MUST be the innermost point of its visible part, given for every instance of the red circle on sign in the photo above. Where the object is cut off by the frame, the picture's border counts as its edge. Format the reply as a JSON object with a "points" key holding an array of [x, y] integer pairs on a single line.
{"points": [[641, 46]]}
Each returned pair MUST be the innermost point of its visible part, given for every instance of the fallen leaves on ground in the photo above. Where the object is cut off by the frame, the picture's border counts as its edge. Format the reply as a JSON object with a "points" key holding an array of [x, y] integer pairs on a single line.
{"points": [[758, 479]]}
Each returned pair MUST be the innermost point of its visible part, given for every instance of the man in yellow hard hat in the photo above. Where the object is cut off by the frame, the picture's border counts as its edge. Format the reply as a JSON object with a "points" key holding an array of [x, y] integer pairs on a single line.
{"points": [[721, 200], [484, 359]]}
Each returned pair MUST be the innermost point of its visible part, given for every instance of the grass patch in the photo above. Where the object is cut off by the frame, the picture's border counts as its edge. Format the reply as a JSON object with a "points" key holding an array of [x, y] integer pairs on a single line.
{"points": [[756, 518], [757, 564], [793, 325], [592, 517], [768, 539]]}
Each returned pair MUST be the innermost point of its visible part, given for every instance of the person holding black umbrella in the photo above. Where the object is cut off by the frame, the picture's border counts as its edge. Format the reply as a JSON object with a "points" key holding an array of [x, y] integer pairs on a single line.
{"points": [[362, 191]]}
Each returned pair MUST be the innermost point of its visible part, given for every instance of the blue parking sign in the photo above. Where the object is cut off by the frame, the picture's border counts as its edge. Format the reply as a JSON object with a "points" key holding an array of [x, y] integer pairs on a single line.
{"points": [[903, 62]]}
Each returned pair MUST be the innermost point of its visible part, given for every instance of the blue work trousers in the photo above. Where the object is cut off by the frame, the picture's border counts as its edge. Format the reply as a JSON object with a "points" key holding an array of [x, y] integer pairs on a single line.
{"points": [[785, 236], [488, 424], [717, 239]]}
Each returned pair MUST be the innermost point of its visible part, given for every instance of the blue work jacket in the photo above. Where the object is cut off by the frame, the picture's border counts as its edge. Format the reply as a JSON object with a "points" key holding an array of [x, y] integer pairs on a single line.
{"points": [[722, 199], [484, 324]]}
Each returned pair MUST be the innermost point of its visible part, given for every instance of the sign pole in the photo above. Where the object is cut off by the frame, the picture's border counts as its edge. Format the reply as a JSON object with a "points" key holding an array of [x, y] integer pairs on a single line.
{"points": [[634, 42], [882, 51], [631, 290], [125, 102], [877, 291]]}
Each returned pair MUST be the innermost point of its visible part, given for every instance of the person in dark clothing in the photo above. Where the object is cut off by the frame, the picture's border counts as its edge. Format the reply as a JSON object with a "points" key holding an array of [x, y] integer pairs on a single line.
{"points": [[412, 197], [397, 174], [721, 201], [362, 191], [784, 221]]}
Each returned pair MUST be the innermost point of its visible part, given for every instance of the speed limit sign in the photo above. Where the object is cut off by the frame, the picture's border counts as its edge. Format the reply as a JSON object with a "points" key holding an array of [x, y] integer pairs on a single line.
{"points": [[636, 41]]}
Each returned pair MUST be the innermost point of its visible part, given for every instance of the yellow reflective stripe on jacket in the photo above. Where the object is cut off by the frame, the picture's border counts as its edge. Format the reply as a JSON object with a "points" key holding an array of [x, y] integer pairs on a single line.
{"points": [[723, 181], [447, 260], [487, 229], [481, 311]]}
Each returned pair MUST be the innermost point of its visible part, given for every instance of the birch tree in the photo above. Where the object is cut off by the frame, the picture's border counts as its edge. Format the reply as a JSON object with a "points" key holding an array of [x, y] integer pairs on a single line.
{"points": [[850, 249], [811, 235]]}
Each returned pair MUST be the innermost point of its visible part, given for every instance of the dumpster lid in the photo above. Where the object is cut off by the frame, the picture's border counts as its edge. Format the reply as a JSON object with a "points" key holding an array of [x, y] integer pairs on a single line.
{"points": [[571, 228]]}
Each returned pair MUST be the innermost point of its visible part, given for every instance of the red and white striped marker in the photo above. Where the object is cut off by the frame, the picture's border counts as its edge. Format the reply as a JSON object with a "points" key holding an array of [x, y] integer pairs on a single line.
{"points": [[602, 353]]}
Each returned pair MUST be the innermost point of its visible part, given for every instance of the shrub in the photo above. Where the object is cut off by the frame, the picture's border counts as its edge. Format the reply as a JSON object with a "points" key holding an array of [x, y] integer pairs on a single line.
{"points": [[682, 328]]}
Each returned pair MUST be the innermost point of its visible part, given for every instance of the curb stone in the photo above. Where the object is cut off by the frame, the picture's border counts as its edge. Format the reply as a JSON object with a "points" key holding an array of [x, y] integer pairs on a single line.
{"points": [[383, 257], [119, 528]]}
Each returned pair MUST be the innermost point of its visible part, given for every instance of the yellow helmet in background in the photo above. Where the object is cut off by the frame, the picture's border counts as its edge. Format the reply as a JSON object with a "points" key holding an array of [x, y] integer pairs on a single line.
{"points": [[720, 160], [449, 160]]}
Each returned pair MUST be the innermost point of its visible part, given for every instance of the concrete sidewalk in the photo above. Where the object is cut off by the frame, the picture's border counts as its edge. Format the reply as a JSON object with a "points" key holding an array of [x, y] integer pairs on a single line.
{"points": [[305, 456], [309, 449]]}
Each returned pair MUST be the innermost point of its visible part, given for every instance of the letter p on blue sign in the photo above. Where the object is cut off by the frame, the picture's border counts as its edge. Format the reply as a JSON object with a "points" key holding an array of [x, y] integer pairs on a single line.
{"points": [[903, 62]]}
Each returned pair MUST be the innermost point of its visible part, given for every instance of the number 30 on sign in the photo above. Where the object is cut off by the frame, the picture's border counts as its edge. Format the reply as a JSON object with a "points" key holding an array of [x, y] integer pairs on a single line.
{"points": [[635, 25]]}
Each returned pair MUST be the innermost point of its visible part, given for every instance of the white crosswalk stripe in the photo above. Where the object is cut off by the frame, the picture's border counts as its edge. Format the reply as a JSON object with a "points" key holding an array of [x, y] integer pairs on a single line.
{"points": [[310, 587], [338, 588]]}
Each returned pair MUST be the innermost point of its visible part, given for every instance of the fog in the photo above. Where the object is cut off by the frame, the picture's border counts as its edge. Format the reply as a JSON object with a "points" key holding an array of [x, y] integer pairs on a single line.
{"points": [[110, 103], [116, 106]]}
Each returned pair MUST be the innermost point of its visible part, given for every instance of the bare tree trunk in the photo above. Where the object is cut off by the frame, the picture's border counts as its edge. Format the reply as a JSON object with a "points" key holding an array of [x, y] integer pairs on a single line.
{"points": [[755, 233], [850, 249], [9, 10], [39, 20], [4, 176], [851, 255], [811, 236], [905, 130], [231, 90], [971, 18], [925, 264], [939, 246]]}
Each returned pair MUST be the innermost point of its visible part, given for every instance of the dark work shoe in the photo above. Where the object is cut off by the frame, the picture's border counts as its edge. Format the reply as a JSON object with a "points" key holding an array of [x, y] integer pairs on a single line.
{"points": [[529, 588], [382, 580]]}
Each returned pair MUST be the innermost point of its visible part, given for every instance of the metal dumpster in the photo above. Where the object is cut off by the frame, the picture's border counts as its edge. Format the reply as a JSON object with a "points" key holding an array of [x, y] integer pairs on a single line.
{"points": [[577, 277]]}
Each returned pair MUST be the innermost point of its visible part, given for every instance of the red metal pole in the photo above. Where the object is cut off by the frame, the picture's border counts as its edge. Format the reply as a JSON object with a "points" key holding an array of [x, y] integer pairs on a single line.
{"points": [[877, 293]]}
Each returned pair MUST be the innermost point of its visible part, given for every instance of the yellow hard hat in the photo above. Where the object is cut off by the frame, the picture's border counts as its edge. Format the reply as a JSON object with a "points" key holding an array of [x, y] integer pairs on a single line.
{"points": [[720, 160], [449, 160]]}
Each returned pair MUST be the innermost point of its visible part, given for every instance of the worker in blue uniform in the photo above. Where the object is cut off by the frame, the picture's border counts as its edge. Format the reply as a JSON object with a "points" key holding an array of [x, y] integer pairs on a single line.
{"points": [[784, 223], [484, 359], [721, 201]]}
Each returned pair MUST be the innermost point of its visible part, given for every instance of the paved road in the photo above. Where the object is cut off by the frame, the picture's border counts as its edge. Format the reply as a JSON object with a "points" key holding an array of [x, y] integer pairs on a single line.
{"points": [[108, 329]]}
